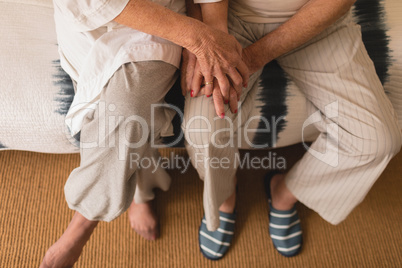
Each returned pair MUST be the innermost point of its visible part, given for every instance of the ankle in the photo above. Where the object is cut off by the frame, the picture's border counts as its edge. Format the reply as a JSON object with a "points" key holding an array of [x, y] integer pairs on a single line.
{"points": [[282, 198], [80, 229], [229, 204]]}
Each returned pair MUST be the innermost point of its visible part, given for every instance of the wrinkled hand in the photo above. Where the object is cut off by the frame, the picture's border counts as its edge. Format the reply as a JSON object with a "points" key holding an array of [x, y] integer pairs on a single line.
{"points": [[219, 56], [191, 66], [219, 102]]}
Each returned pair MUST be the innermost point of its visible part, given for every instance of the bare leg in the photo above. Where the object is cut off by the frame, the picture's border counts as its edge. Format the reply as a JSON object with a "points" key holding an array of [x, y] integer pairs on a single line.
{"points": [[143, 220], [282, 198], [66, 251], [229, 204]]}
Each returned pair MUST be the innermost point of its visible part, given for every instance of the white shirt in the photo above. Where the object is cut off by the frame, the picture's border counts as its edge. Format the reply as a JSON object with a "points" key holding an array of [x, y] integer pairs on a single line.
{"points": [[92, 47]]}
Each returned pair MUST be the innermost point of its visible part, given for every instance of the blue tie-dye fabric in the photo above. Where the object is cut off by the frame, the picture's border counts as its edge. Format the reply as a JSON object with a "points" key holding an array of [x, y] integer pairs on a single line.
{"points": [[370, 15], [66, 93], [273, 94]]}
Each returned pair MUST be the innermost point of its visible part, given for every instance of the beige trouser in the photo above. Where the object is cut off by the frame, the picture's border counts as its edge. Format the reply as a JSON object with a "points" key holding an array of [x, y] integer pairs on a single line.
{"points": [[359, 130], [116, 142]]}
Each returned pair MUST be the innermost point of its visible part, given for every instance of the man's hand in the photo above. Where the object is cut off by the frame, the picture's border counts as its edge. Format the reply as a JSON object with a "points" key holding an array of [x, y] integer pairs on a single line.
{"points": [[219, 102]]}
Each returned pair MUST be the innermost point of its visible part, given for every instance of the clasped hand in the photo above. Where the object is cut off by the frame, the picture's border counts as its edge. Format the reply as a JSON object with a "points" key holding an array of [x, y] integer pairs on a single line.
{"points": [[215, 69]]}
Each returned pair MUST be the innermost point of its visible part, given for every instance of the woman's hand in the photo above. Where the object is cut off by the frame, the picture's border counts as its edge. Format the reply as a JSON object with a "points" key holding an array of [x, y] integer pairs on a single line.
{"points": [[188, 62], [219, 56], [190, 66]]}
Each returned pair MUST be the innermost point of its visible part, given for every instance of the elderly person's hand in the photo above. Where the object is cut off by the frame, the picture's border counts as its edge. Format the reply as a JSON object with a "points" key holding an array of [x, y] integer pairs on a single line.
{"points": [[217, 52], [193, 81], [190, 66], [228, 74], [220, 59]]}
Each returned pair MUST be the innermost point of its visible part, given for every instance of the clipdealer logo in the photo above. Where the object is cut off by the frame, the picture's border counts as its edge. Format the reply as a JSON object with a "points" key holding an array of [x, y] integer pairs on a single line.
{"points": [[108, 122], [330, 154]]}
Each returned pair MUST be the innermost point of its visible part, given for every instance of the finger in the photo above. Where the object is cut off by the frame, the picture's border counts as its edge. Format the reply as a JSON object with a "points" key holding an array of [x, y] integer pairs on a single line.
{"points": [[238, 94], [206, 70], [190, 70], [183, 69], [233, 103], [202, 91], [183, 86], [198, 77], [224, 85], [218, 103], [210, 86], [236, 81], [244, 72]]}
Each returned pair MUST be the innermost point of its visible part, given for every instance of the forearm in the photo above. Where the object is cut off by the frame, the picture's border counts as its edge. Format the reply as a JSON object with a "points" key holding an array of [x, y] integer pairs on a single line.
{"points": [[308, 22], [213, 14], [216, 15], [193, 10], [154, 19]]}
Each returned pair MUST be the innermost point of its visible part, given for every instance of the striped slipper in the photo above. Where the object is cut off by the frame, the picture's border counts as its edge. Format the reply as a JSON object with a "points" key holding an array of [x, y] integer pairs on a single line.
{"points": [[284, 225], [214, 245]]}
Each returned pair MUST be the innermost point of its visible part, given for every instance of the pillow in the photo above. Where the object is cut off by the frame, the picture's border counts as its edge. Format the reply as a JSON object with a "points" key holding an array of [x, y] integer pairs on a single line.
{"points": [[34, 91]]}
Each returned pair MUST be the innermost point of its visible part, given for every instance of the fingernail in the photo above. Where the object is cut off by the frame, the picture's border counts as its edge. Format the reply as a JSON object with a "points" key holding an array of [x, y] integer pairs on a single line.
{"points": [[245, 85], [192, 93], [223, 115], [236, 111], [226, 101], [209, 95]]}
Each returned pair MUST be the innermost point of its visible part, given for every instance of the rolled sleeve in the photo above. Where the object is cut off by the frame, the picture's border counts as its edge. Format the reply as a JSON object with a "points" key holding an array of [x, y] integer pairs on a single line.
{"points": [[87, 15]]}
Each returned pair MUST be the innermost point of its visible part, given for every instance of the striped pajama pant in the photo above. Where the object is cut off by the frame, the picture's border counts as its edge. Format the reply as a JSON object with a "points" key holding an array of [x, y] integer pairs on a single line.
{"points": [[115, 138], [359, 133]]}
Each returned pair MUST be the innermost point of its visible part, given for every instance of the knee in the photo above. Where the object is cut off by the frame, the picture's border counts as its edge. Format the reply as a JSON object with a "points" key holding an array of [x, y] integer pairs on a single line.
{"points": [[390, 142], [384, 142]]}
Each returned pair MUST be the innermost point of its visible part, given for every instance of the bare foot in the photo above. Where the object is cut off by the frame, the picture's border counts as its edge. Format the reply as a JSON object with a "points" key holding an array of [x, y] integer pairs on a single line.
{"points": [[143, 220], [66, 251], [229, 204], [282, 198]]}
